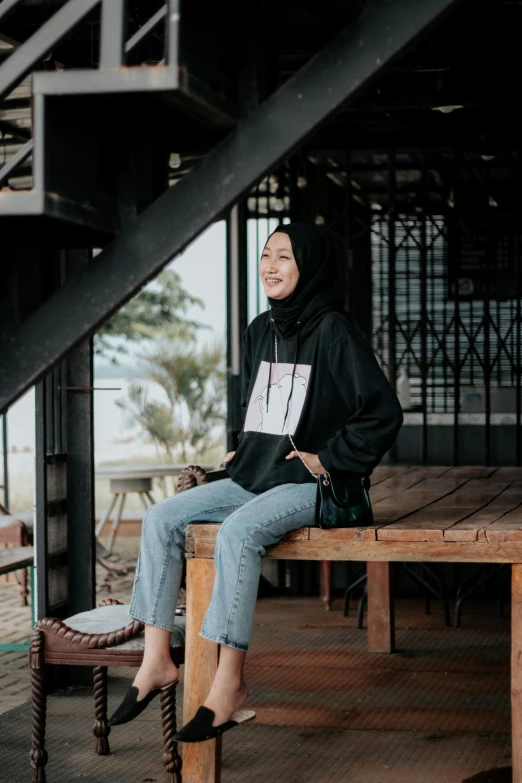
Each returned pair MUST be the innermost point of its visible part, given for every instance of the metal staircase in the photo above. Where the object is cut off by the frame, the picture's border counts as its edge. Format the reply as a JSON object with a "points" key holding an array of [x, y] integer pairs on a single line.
{"points": [[131, 126], [105, 126], [93, 126]]}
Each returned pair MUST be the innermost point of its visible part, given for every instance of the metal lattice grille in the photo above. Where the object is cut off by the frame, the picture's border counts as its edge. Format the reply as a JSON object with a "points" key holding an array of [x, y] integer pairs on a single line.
{"points": [[480, 353]]}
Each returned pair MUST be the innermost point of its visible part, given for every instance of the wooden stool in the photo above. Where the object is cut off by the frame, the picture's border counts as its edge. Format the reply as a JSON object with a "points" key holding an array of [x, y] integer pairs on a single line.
{"points": [[17, 530], [100, 638]]}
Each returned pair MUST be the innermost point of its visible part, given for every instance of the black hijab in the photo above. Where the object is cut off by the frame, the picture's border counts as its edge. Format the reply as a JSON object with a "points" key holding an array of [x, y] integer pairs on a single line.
{"points": [[315, 293]]}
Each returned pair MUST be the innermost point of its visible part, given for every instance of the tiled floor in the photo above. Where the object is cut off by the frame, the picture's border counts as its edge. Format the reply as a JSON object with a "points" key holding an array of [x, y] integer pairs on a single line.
{"points": [[437, 711], [15, 626]]}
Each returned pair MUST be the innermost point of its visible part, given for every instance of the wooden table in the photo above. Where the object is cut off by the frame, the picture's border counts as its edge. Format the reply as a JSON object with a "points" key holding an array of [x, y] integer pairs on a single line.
{"points": [[15, 559], [426, 514], [125, 479]]}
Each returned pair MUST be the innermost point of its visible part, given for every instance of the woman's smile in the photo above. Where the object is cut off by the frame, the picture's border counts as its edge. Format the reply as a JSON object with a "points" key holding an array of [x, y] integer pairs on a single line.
{"points": [[278, 268]]}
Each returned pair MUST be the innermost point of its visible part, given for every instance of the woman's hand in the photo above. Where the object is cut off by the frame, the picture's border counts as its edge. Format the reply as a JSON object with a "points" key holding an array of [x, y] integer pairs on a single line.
{"points": [[312, 460], [229, 456]]}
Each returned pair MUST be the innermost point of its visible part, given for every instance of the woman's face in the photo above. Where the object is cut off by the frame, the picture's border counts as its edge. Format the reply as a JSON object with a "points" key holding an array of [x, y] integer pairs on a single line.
{"points": [[278, 269]]}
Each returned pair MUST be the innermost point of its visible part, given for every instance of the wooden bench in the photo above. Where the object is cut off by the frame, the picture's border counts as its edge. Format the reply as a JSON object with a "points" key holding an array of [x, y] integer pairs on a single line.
{"points": [[15, 559], [423, 514], [99, 638], [17, 530]]}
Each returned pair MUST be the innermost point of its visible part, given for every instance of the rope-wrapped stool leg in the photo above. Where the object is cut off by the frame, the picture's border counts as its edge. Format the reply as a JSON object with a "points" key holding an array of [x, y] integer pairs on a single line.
{"points": [[38, 754], [171, 758], [101, 728], [24, 587]]}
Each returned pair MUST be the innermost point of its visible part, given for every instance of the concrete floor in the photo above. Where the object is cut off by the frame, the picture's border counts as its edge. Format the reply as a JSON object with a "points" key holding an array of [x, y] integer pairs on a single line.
{"points": [[435, 712]]}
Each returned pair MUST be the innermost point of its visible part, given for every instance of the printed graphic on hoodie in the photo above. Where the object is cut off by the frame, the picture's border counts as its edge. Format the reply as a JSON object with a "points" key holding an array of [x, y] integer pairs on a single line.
{"points": [[258, 418]]}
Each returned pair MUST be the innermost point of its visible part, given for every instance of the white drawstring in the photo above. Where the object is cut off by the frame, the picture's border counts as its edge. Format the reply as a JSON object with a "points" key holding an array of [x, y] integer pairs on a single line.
{"points": [[317, 476]]}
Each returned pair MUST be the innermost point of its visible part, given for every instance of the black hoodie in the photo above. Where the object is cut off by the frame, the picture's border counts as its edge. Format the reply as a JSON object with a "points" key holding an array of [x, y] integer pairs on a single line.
{"points": [[335, 398]]}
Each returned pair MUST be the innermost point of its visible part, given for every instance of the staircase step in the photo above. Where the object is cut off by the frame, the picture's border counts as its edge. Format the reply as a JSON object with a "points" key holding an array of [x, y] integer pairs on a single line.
{"points": [[175, 88], [58, 221]]}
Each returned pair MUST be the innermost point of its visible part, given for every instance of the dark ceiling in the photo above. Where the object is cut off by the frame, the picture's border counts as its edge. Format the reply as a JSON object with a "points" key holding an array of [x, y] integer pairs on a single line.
{"points": [[470, 60]]}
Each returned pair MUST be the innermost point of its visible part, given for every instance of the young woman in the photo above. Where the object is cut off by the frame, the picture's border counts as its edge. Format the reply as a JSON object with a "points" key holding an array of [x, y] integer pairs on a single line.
{"points": [[307, 372]]}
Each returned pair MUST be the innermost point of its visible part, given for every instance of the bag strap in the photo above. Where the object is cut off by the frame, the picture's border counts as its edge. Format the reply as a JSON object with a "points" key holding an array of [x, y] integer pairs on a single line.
{"points": [[326, 480]]}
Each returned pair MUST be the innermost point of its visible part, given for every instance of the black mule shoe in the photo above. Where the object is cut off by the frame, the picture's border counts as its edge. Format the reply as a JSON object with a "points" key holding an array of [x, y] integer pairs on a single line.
{"points": [[130, 707], [200, 728]]}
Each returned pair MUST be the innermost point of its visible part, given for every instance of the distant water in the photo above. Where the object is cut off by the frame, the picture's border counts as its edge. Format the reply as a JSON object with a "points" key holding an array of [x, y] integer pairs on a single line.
{"points": [[115, 437]]}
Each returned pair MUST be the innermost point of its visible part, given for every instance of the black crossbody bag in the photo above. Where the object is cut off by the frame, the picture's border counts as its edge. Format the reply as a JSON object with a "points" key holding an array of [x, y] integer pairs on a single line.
{"points": [[346, 505]]}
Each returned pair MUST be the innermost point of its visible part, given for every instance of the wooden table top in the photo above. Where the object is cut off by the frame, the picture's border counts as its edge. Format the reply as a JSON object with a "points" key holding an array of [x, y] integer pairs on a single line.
{"points": [[16, 557], [469, 513], [141, 471]]}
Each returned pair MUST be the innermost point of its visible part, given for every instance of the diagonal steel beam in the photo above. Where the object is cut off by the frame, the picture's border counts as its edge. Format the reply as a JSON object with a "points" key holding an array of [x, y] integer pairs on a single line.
{"points": [[22, 60], [281, 124], [7, 8], [18, 158]]}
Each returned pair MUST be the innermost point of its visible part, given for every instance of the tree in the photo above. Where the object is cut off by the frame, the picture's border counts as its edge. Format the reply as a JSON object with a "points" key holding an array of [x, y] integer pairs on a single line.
{"points": [[188, 421], [162, 302]]}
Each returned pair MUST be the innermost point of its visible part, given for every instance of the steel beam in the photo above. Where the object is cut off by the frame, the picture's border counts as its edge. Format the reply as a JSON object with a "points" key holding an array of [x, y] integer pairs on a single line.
{"points": [[173, 32], [113, 24], [22, 154], [5, 462], [140, 34], [22, 60], [237, 296], [268, 135], [80, 465], [7, 8], [8, 127]]}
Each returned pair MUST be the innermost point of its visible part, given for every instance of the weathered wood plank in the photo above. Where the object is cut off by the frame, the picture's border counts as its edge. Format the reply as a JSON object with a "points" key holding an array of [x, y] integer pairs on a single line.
{"points": [[471, 471], [406, 504], [510, 472], [506, 529], [344, 534], [382, 472], [381, 620], [396, 484], [413, 551], [473, 527], [516, 671], [429, 523]]}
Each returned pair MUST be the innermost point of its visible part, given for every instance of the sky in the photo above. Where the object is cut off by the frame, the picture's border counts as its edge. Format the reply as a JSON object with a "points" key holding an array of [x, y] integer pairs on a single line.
{"points": [[203, 270], [202, 267]]}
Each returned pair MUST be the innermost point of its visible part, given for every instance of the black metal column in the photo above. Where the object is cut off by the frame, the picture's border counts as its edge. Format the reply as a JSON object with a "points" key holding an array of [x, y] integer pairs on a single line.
{"points": [[518, 329], [455, 250], [5, 463], [392, 353], [488, 321], [236, 316], [80, 461], [424, 313], [64, 467], [51, 497], [358, 255]]}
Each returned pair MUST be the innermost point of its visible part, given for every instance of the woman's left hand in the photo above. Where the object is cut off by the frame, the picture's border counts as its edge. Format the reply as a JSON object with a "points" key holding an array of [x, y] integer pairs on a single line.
{"points": [[312, 460]]}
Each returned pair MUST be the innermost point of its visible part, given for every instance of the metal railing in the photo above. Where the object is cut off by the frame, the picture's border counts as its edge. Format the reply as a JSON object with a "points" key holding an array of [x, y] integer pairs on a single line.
{"points": [[113, 47]]}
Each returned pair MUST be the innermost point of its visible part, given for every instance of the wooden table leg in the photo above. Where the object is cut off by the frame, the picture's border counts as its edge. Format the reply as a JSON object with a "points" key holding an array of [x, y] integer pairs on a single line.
{"points": [[201, 760], [381, 626], [516, 670], [326, 583]]}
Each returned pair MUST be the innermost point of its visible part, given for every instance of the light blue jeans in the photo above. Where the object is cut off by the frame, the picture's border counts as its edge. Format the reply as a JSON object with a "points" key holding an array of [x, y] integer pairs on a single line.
{"points": [[250, 523]]}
